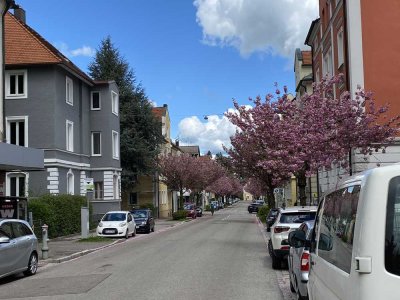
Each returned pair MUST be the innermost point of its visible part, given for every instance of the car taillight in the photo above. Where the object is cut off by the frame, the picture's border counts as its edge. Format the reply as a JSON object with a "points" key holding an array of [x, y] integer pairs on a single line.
{"points": [[279, 229], [285, 248], [305, 262]]}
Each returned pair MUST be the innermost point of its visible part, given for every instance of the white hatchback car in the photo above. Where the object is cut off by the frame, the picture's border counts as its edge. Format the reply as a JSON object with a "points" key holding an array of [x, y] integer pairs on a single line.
{"points": [[288, 219], [117, 224]]}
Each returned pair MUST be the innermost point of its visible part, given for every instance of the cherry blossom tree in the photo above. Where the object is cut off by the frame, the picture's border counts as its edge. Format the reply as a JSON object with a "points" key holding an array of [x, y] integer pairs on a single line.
{"points": [[226, 185], [279, 137], [255, 187]]}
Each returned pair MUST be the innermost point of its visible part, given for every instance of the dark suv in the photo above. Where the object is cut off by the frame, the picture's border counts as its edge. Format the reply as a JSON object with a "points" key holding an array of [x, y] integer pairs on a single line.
{"points": [[144, 220], [253, 207]]}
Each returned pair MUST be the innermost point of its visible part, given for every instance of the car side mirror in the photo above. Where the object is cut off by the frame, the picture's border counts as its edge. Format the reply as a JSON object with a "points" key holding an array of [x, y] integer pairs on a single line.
{"points": [[4, 240], [325, 242], [297, 239]]}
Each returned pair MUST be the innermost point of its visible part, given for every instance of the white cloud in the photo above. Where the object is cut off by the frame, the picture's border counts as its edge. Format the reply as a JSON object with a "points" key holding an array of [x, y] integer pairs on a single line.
{"points": [[209, 135], [82, 51], [268, 26]]}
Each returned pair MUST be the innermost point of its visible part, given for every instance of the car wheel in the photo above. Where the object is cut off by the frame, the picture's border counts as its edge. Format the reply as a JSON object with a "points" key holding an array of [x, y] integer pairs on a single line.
{"points": [[32, 265], [127, 234], [292, 287], [134, 232], [276, 262], [148, 231]]}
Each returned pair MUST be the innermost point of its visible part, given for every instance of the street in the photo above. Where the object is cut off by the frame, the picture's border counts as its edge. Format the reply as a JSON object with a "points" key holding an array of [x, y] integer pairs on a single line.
{"points": [[214, 257]]}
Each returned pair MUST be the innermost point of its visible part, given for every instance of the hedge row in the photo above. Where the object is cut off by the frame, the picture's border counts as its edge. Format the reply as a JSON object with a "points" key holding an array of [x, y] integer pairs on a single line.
{"points": [[61, 213], [179, 215], [263, 213]]}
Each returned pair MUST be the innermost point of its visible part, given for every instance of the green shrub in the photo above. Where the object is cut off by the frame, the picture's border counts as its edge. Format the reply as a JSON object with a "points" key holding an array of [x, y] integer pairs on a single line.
{"points": [[179, 215], [62, 213], [263, 212], [208, 208]]}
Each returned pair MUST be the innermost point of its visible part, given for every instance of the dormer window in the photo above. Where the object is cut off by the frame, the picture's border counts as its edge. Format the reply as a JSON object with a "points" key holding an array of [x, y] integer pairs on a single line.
{"points": [[16, 84], [69, 91]]}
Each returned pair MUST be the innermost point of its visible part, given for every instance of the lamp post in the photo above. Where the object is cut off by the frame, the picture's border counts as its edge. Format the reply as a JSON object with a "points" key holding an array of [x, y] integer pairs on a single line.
{"points": [[4, 6]]}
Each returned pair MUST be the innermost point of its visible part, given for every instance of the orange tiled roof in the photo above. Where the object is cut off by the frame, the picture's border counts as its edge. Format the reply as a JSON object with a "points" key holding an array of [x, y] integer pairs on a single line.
{"points": [[306, 57], [24, 46]]}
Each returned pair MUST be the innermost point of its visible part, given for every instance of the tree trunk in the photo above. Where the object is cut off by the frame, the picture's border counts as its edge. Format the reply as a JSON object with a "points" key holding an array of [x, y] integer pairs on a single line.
{"points": [[301, 183], [271, 197], [180, 198]]}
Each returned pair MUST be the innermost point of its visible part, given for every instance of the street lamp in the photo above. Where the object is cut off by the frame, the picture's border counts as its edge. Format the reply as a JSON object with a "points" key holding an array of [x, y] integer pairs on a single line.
{"points": [[4, 6]]}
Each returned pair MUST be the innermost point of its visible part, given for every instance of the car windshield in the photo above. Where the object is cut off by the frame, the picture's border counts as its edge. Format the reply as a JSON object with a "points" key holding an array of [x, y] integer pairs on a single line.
{"points": [[188, 206], [297, 217], [114, 217], [139, 214], [273, 213]]}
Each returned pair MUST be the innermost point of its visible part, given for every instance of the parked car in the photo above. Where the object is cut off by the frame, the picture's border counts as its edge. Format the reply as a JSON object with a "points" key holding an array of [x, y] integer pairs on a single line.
{"points": [[144, 220], [18, 248], [298, 261], [288, 219], [117, 224], [215, 205], [354, 248], [191, 210], [199, 212], [253, 207], [271, 217]]}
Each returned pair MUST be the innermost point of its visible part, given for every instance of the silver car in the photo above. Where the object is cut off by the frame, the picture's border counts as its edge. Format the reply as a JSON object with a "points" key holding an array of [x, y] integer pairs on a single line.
{"points": [[18, 248], [298, 261]]}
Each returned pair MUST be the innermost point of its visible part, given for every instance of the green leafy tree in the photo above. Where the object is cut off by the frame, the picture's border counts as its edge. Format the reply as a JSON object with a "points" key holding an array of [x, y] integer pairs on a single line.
{"points": [[140, 134]]}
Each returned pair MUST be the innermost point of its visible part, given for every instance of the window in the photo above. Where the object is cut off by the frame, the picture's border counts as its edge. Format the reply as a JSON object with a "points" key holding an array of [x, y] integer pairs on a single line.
{"points": [[70, 136], [20, 229], [327, 64], [17, 131], [98, 190], [133, 200], [70, 182], [16, 184], [340, 48], [115, 144], [69, 91], [16, 84], [335, 237], [114, 103], [96, 143], [116, 187], [95, 101], [392, 235]]}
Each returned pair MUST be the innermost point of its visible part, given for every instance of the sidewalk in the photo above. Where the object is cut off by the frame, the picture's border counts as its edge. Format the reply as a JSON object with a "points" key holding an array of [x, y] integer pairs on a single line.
{"points": [[66, 248]]}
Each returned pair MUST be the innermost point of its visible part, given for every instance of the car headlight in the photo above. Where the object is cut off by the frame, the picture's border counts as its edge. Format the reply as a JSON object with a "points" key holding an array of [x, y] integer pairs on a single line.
{"points": [[144, 223], [122, 224], [100, 224]]}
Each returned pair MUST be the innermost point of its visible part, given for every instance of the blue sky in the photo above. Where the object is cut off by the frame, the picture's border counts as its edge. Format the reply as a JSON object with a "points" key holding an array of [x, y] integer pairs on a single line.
{"points": [[194, 55]]}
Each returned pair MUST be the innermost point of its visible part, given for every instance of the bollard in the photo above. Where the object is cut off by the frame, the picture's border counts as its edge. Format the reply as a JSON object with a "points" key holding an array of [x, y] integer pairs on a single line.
{"points": [[45, 248]]}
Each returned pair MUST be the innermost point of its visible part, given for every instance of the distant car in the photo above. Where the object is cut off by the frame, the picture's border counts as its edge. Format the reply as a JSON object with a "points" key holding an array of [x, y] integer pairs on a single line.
{"points": [[253, 207], [191, 210], [288, 219], [199, 212], [18, 248], [271, 217], [298, 261], [144, 220], [215, 205], [220, 205], [117, 224]]}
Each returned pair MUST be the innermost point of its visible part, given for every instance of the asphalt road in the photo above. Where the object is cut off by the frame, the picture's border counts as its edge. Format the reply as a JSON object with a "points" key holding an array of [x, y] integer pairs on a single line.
{"points": [[214, 257]]}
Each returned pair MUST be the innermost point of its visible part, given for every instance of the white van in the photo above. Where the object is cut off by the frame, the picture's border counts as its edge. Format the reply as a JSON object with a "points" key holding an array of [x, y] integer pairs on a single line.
{"points": [[355, 248]]}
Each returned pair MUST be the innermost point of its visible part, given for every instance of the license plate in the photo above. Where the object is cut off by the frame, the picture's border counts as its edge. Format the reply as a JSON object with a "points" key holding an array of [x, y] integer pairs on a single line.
{"points": [[109, 231]]}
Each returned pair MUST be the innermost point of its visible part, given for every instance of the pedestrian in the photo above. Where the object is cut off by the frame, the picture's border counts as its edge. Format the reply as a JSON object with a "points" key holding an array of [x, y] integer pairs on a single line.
{"points": [[212, 209]]}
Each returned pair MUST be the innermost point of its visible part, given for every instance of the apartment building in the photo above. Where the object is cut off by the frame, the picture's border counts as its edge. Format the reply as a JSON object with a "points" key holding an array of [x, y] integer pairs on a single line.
{"points": [[355, 38], [51, 104]]}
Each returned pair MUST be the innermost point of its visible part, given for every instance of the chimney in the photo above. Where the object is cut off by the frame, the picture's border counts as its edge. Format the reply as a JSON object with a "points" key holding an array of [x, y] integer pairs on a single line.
{"points": [[20, 14]]}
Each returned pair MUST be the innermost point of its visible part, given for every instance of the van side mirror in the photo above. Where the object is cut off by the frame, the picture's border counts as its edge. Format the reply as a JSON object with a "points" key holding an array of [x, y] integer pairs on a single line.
{"points": [[297, 239], [325, 242]]}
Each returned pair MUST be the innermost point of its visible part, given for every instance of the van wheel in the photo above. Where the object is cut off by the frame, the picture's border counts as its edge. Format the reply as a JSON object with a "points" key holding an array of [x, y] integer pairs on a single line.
{"points": [[276, 261], [32, 265]]}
